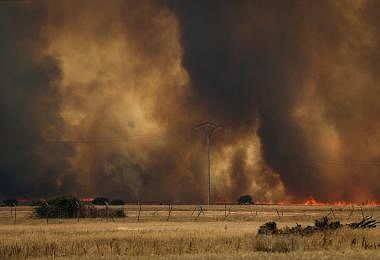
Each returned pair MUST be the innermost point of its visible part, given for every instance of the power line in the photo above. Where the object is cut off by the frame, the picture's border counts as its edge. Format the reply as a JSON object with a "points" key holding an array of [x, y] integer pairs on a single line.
{"points": [[122, 139], [208, 128]]}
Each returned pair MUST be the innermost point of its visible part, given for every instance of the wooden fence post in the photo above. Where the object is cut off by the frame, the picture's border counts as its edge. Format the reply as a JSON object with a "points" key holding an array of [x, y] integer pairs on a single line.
{"points": [[332, 211], [15, 206], [47, 212], [107, 213], [169, 212], [351, 212], [278, 214], [361, 208], [139, 210], [78, 208]]}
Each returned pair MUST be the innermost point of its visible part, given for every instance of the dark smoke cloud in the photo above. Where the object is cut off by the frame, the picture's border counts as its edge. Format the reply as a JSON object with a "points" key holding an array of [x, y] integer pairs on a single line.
{"points": [[250, 59], [294, 83], [240, 57], [29, 107]]}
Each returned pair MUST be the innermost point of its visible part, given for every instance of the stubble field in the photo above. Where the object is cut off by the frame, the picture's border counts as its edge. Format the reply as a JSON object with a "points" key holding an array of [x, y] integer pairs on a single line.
{"points": [[219, 232]]}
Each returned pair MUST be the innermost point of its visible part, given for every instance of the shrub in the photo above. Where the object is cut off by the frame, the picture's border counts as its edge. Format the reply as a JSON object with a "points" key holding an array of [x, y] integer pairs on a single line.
{"points": [[245, 199], [62, 206], [35, 203], [117, 213], [70, 207], [90, 211], [100, 201], [10, 203]]}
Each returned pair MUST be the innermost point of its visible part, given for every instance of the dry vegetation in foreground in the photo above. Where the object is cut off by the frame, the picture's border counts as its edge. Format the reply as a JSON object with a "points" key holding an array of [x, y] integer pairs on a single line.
{"points": [[208, 237]]}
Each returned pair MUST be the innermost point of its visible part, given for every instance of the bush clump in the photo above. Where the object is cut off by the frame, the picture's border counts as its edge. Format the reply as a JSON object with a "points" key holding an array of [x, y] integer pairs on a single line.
{"points": [[245, 200], [100, 201], [62, 206], [71, 207], [10, 203], [91, 211]]}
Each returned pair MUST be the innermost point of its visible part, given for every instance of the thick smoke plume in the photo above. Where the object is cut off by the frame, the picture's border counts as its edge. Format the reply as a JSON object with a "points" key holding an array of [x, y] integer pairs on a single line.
{"points": [[307, 72], [105, 103], [29, 107]]}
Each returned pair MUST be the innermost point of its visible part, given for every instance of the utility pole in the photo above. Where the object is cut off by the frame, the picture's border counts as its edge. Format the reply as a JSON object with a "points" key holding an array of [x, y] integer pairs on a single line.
{"points": [[209, 129]]}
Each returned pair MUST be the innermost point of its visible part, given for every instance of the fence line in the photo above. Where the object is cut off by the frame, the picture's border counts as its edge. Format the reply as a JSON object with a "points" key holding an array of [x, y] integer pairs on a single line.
{"points": [[224, 212]]}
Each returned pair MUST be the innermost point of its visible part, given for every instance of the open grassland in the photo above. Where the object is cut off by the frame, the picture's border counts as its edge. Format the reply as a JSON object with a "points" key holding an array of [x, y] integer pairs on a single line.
{"points": [[220, 233]]}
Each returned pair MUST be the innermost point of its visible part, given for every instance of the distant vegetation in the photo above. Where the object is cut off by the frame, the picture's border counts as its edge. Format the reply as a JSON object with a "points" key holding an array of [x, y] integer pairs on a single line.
{"points": [[10, 203], [100, 201], [62, 206], [245, 199], [117, 202], [71, 207]]}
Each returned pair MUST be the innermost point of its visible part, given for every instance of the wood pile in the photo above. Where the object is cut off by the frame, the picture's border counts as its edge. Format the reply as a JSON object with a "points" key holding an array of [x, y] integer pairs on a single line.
{"points": [[320, 225], [324, 223], [367, 222]]}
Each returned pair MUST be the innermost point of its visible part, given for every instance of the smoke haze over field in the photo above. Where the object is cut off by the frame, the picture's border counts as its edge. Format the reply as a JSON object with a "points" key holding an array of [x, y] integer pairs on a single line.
{"points": [[294, 83]]}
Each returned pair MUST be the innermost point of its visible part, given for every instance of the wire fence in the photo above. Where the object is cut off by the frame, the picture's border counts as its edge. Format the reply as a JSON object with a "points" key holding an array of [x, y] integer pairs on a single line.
{"points": [[193, 213]]}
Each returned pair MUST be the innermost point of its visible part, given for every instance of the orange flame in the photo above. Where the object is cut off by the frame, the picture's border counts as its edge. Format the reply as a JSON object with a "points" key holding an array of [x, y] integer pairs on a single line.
{"points": [[313, 202], [86, 199]]}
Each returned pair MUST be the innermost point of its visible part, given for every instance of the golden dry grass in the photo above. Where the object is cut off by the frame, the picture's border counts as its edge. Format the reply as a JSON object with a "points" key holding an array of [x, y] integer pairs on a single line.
{"points": [[208, 237]]}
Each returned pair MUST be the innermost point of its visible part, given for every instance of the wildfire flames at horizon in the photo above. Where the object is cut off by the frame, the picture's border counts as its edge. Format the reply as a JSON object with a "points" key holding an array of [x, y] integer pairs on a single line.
{"points": [[105, 103]]}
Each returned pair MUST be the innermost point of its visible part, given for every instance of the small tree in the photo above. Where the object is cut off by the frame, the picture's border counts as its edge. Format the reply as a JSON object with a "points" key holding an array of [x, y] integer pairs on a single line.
{"points": [[245, 199], [10, 203], [100, 201]]}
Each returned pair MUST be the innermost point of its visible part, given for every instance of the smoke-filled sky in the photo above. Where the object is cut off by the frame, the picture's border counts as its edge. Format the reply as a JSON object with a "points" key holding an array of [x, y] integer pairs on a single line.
{"points": [[101, 98]]}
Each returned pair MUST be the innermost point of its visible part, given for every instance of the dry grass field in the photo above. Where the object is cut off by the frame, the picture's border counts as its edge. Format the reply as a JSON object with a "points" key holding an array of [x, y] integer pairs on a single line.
{"points": [[212, 235]]}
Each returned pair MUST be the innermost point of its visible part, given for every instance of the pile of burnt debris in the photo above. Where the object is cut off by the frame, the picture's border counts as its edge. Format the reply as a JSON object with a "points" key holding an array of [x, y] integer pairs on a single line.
{"points": [[322, 224]]}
